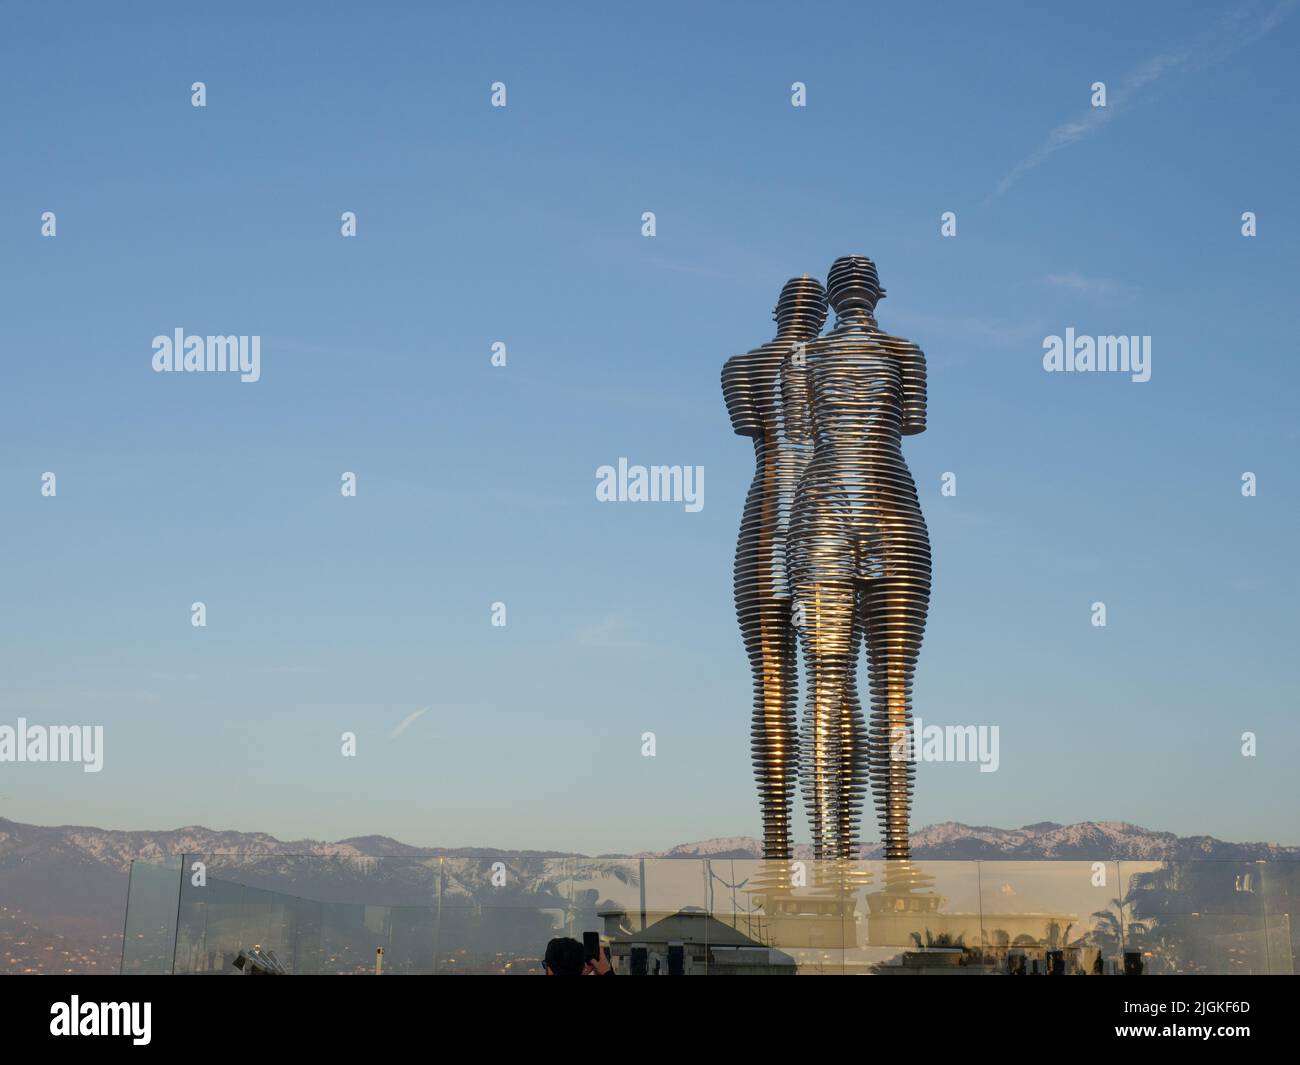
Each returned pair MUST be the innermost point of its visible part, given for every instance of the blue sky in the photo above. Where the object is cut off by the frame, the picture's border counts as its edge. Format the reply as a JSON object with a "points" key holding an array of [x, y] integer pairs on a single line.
{"points": [[476, 484]]}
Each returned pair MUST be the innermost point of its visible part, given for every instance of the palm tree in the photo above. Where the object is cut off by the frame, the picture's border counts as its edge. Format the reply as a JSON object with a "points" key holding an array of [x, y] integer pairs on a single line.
{"points": [[942, 940], [1116, 930]]}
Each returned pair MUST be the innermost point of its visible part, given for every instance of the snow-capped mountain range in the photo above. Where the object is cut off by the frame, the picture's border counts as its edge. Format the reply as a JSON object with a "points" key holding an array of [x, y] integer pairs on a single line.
{"points": [[1091, 840], [63, 889]]}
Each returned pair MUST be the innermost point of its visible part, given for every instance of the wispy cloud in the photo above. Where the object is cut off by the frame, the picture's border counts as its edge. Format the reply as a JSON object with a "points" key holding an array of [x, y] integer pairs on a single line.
{"points": [[1101, 288], [611, 632], [406, 722], [991, 330], [1238, 28], [691, 268]]}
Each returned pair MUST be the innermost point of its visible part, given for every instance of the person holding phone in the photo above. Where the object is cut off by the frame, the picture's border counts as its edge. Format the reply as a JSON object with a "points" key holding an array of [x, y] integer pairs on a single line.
{"points": [[565, 956]]}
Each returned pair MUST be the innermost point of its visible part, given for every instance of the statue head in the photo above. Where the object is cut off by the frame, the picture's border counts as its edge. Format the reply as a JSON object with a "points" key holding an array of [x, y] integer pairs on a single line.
{"points": [[853, 284], [801, 307]]}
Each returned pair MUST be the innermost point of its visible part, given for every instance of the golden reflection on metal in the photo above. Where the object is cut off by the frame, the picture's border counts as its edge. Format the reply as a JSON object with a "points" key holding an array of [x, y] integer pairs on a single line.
{"points": [[858, 560], [751, 386]]}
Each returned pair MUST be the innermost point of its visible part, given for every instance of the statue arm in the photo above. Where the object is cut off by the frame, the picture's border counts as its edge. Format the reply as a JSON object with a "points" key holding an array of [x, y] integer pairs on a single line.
{"points": [[912, 359], [740, 399], [796, 400]]}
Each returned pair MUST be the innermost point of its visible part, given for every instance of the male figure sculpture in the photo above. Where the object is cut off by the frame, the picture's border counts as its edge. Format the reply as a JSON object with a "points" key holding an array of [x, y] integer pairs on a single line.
{"points": [[859, 559], [751, 387]]}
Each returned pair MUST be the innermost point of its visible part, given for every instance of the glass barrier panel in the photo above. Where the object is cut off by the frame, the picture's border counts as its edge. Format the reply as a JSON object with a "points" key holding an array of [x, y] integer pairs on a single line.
{"points": [[334, 914], [1192, 917], [652, 912], [781, 917], [922, 917], [1279, 886], [1050, 918], [149, 933]]}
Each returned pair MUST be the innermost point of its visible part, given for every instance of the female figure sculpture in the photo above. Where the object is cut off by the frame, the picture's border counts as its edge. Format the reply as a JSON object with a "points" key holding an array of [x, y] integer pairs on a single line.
{"points": [[859, 560]]}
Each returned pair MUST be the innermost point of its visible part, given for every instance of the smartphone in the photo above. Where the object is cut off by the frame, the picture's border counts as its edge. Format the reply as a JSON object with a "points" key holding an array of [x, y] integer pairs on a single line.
{"points": [[591, 945]]}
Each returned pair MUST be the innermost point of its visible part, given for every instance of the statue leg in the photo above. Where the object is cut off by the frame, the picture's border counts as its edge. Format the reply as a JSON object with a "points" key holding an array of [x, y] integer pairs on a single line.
{"points": [[828, 646], [770, 642], [852, 743], [896, 608]]}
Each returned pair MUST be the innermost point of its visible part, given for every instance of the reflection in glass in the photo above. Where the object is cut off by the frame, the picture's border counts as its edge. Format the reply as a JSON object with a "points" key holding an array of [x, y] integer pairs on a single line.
{"points": [[473, 914]]}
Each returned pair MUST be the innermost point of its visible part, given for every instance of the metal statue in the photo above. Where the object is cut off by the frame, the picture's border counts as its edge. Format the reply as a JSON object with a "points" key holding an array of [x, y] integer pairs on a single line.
{"points": [[858, 560], [751, 385]]}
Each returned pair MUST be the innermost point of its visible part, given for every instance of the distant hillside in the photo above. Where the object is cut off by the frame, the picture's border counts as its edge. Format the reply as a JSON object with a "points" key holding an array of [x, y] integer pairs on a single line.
{"points": [[63, 889]]}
